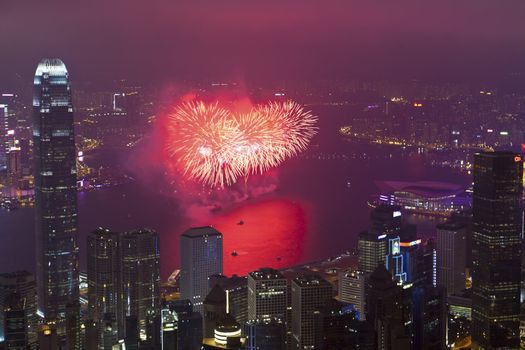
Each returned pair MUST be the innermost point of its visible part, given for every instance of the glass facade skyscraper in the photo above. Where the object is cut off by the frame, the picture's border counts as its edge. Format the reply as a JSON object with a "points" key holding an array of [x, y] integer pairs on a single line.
{"points": [[55, 190], [496, 250]]}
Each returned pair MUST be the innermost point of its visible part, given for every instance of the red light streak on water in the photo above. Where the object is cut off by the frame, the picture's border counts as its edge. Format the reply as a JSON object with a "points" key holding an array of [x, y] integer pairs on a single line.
{"points": [[272, 235]]}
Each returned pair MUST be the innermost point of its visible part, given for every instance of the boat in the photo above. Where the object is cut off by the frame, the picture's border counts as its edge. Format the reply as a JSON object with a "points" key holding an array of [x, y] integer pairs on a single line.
{"points": [[234, 253], [240, 223]]}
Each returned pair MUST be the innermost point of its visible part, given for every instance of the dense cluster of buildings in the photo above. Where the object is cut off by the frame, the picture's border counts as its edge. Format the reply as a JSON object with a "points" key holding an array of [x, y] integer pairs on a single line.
{"points": [[405, 292]]}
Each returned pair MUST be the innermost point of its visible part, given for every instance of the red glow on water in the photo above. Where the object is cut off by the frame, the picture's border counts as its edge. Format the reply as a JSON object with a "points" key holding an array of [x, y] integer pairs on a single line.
{"points": [[271, 235]]}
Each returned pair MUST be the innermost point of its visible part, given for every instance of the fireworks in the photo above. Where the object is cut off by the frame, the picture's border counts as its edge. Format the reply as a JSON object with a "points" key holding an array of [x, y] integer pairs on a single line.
{"points": [[217, 147]]}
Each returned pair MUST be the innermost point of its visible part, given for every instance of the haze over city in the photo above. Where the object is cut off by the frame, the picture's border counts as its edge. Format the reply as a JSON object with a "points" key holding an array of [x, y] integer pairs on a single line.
{"points": [[262, 175]]}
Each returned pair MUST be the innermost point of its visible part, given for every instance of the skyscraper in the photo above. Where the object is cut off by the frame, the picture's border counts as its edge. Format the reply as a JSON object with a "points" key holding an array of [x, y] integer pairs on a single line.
{"points": [[265, 335], [387, 311], [309, 294], [372, 249], [451, 256], [55, 190], [104, 287], [140, 275], [23, 284], [201, 257], [4, 144], [496, 250], [385, 219], [352, 290], [267, 295]]}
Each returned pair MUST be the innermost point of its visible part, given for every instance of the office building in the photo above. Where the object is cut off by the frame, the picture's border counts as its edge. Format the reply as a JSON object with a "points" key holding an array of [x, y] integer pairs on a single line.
{"points": [[72, 326], [429, 312], [395, 261], [265, 335], [237, 289], [337, 327], [55, 190], [496, 250], [169, 325], [4, 127], [201, 257], [15, 322], [189, 333], [387, 311], [214, 310], [23, 284], [385, 219], [351, 285], [451, 256], [104, 285], [267, 295], [372, 250], [140, 275], [309, 294]]}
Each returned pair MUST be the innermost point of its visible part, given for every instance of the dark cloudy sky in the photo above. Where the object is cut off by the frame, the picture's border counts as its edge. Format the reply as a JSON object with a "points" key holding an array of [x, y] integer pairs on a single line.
{"points": [[264, 39]]}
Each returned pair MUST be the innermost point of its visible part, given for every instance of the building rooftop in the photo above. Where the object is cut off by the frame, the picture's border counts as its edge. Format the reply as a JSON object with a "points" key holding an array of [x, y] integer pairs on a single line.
{"points": [[310, 280], [51, 66], [426, 189], [203, 231], [266, 274]]}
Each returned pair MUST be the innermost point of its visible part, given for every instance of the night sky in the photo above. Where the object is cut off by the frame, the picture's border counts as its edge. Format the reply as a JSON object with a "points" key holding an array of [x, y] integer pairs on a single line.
{"points": [[263, 41]]}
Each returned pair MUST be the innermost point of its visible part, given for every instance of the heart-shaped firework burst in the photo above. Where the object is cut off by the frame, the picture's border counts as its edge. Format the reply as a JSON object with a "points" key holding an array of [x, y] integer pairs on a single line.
{"points": [[216, 146]]}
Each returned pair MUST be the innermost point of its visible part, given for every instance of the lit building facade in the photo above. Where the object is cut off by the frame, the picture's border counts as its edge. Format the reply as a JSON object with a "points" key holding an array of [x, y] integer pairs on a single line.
{"points": [[104, 273], [309, 294], [267, 295], [23, 284], [496, 250], [140, 275], [55, 190], [372, 249], [201, 257], [351, 285], [451, 256]]}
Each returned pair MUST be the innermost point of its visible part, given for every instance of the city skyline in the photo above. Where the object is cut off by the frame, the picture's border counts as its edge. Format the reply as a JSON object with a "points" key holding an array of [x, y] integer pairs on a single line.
{"points": [[262, 175]]}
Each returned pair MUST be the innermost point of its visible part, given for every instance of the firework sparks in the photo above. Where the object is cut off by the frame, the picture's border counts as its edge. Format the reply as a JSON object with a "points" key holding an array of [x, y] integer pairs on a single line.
{"points": [[218, 147]]}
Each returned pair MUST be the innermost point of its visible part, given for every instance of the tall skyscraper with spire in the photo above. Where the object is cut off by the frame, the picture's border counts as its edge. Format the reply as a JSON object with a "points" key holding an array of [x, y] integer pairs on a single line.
{"points": [[55, 190], [496, 250]]}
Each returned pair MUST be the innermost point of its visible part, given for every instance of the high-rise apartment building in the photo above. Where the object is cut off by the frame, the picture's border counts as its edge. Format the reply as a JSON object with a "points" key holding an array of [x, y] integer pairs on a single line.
{"points": [[55, 190], [201, 257], [496, 250]]}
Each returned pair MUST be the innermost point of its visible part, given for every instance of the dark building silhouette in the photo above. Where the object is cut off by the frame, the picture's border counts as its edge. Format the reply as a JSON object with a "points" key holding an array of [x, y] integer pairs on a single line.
{"points": [[23, 284], [55, 190], [237, 289], [189, 334], [265, 335], [15, 323], [496, 250], [429, 312], [337, 328], [214, 310], [388, 311]]}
